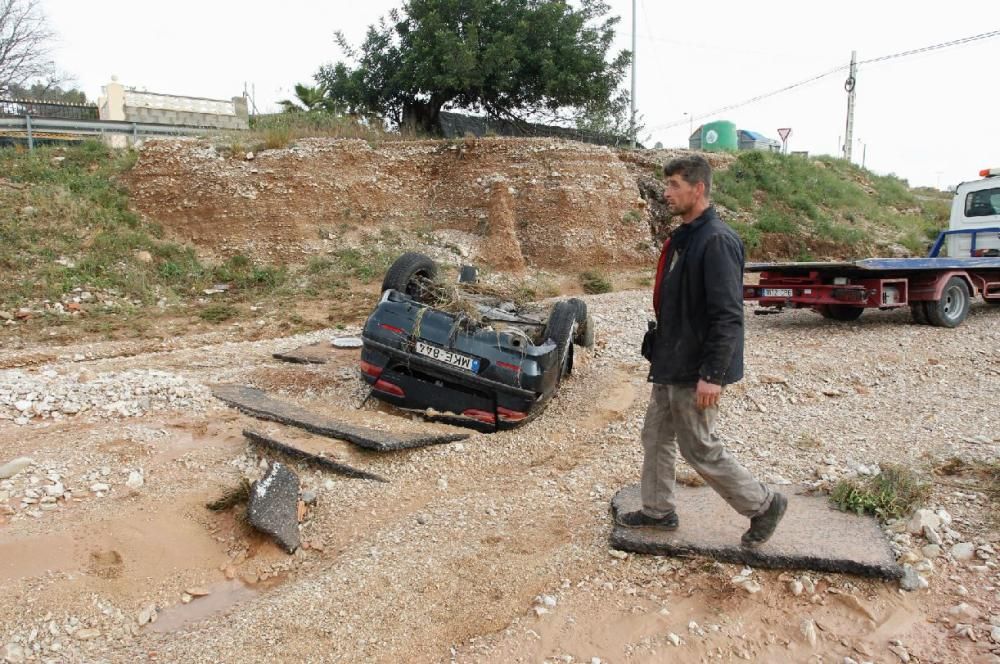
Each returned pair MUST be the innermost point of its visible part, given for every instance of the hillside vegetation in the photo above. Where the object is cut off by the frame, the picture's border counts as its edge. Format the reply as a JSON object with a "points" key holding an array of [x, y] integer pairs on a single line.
{"points": [[73, 246], [797, 208]]}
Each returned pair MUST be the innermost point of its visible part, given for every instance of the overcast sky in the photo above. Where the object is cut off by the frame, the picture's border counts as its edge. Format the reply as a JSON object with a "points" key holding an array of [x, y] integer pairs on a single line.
{"points": [[932, 118]]}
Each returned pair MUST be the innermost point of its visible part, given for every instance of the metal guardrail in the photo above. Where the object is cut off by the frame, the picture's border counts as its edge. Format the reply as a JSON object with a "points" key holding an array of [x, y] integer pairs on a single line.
{"points": [[32, 126]]}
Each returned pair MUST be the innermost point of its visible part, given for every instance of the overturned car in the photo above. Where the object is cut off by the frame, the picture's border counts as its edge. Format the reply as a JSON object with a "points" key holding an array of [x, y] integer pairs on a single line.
{"points": [[481, 361]]}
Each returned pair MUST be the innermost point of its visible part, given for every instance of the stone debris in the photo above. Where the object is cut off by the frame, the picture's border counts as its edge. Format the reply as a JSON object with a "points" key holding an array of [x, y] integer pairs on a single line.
{"points": [[32, 397]]}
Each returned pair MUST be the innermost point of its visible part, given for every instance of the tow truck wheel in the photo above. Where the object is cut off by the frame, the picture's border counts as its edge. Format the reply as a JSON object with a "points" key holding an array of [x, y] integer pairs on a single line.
{"points": [[918, 312], [953, 306], [844, 312]]}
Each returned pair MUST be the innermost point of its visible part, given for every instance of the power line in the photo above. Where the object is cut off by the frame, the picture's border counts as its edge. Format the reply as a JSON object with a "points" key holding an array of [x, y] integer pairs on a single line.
{"points": [[935, 47], [924, 49]]}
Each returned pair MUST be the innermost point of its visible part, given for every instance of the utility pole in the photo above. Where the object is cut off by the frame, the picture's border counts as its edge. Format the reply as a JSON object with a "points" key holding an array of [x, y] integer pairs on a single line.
{"points": [[632, 116], [849, 85]]}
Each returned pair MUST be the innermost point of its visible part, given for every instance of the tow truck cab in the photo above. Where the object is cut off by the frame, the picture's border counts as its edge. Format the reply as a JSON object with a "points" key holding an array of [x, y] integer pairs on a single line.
{"points": [[976, 205]]}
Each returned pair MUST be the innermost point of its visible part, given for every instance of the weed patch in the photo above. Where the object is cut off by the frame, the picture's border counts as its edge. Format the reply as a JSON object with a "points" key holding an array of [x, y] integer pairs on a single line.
{"points": [[595, 282], [892, 494]]}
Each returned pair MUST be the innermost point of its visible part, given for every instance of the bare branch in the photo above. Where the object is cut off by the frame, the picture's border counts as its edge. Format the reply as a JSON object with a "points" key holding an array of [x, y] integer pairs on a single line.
{"points": [[25, 44]]}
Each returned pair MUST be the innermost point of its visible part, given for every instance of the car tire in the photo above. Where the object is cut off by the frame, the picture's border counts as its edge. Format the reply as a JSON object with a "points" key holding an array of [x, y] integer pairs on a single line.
{"points": [[953, 307], [919, 313], [585, 324], [842, 312], [412, 273], [561, 328]]}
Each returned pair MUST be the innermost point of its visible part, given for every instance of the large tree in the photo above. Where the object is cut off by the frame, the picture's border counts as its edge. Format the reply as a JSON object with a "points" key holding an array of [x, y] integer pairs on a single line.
{"points": [[512, 59], [25, 45]]}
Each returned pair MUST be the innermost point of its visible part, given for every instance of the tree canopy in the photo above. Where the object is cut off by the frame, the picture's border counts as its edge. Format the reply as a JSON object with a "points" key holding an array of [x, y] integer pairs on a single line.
{"points": [[511, 59]]}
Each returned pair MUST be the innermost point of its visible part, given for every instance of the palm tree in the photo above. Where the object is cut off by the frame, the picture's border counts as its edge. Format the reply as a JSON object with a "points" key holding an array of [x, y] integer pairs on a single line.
{"points": [[308, 98]]}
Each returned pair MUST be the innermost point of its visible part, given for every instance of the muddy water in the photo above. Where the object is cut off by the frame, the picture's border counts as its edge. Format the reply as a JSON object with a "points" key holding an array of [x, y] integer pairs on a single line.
{"points": [[222, 596]]}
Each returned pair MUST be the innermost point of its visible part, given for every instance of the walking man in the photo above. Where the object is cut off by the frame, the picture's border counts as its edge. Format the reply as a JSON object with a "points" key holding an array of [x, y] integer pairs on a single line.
{"points": [[695, 350]]}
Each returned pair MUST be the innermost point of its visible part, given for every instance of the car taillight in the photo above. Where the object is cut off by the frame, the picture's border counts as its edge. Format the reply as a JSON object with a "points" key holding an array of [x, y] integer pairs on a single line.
{"points": [[370, 369], [480, 415], [383, 385], [508, 415], [508, 365], [391, 328]]}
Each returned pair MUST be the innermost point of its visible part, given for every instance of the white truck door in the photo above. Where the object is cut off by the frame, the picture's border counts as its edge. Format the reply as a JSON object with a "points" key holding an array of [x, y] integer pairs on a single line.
{"points": [[976, 205]]}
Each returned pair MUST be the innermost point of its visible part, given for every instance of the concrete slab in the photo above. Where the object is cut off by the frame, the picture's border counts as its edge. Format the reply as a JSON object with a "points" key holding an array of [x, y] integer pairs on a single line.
{"points": [[311, 453], [813, 535], [274, 506], [320, 352], [257, 403]]}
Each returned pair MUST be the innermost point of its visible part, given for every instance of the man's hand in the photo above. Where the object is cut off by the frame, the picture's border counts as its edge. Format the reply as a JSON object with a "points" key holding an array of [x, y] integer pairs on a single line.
{"points": [[707, 394]]}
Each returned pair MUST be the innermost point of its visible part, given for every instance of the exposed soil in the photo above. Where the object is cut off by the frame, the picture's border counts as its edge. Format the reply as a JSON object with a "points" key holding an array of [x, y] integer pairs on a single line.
{"points": [[457, 556]]}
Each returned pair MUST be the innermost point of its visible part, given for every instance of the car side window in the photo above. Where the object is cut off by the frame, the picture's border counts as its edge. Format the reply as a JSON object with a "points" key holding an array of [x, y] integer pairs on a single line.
{"points": [[982, 203]]}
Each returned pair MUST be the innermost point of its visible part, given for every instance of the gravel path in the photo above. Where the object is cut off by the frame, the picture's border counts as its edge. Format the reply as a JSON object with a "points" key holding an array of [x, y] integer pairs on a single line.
{"points": [[494, 549]]}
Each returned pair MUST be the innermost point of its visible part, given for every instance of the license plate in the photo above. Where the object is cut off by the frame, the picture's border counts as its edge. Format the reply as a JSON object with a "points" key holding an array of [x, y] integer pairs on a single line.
{"points": [[448, 357], [775, 292]]}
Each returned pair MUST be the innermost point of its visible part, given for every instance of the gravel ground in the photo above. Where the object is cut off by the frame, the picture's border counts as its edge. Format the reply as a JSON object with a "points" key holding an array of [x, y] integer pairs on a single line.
{"points": [[494, 549]]}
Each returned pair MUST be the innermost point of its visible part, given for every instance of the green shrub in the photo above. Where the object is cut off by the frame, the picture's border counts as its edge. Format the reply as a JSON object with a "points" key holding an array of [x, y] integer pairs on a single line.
{"points": [[894, 493], [595, 282]]}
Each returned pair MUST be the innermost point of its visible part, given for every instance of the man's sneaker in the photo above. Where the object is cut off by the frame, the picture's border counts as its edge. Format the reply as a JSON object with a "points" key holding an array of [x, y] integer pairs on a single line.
{"points": [[638, 519], [762, 526]]}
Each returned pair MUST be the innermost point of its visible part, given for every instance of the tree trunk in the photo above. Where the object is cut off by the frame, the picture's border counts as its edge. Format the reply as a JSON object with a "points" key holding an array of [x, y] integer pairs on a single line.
{"points": [[422, 116]]}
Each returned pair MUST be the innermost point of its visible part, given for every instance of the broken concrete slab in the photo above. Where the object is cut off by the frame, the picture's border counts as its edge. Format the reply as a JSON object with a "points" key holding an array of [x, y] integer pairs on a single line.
{"points": [[257, 403], [318, 353], [296, 450], [813, 535], [274, 506]]}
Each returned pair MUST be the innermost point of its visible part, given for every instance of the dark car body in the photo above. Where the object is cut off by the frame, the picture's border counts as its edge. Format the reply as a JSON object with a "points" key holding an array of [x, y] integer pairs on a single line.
{"points": [[463, 371]]}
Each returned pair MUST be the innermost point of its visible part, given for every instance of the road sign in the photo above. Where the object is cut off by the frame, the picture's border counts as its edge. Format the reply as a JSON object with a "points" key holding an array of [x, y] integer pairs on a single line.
{"points": [[785, 133]]}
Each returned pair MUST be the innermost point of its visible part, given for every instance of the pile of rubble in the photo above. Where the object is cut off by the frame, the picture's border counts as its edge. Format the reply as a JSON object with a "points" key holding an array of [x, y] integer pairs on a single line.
{"points": [[49, 395]]}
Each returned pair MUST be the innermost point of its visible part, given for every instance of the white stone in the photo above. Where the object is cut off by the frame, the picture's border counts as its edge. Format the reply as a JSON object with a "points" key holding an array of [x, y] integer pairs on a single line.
{"points": [[99, 487], [944, 516], [86, 634], [922, 519], [963, 551], [808, 629], [135, 480], [549, 601], [674, 639], [932, 535], [963, 610], [12, 653], [23, 405], [442, 484], [55, 490], [995, 634], [795, 586], [931, 551], [12, 468]]}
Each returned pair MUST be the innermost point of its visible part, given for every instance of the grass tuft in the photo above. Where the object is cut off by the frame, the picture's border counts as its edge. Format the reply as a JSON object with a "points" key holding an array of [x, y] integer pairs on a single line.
{"points": [[892, 494], [595, 282]]}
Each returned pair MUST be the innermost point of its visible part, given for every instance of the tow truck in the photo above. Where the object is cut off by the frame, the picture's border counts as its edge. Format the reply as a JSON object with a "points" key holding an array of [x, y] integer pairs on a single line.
{"points": [[963, 262]]}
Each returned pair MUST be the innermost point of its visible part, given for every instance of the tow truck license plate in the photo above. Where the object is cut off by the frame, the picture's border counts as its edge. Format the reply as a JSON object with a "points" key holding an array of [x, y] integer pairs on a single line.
{"points": [[775, 292], [448, 357]]}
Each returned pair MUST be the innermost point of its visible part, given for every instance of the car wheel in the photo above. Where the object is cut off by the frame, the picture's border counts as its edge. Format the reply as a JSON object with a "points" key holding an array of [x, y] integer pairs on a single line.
{"points": [[584, 322], [561, 328], [412, 273], [844, 312], [953, 307]]}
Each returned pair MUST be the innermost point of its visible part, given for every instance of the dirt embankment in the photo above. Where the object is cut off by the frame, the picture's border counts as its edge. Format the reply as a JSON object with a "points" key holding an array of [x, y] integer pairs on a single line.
{"points": [[511, 202]]}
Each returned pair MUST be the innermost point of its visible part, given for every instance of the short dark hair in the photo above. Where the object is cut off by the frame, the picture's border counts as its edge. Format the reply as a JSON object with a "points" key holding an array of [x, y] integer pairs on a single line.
{"points": [[693, 169]]}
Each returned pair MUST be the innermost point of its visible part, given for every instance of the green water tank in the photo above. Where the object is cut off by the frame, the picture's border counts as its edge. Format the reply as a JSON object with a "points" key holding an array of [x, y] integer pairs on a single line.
{"points": [[719, 136]]}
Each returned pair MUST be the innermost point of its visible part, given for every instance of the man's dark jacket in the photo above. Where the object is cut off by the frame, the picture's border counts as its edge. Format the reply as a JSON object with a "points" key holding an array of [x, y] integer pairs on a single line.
{"points": [[699, 322]]}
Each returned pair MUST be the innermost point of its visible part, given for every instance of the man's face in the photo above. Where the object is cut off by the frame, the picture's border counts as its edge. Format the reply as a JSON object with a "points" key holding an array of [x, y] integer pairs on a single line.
{"points": [[680, 196]]}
